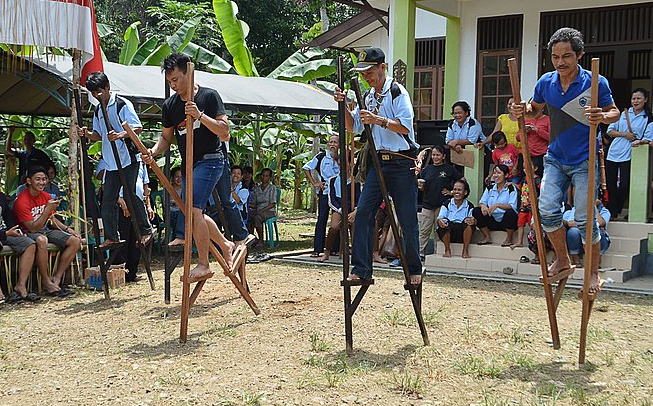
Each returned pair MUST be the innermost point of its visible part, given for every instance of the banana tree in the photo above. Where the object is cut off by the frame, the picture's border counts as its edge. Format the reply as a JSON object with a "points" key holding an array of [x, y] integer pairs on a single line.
{"points": [[234, 33]]}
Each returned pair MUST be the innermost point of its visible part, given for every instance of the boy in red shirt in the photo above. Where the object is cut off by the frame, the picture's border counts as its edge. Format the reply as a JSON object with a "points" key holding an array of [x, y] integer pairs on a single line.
{"points": [[506, 154], [34, 211]]}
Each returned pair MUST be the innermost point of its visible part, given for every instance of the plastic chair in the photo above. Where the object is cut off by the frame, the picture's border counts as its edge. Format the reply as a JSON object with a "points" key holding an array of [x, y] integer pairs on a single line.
{"points": [[272, 223]]}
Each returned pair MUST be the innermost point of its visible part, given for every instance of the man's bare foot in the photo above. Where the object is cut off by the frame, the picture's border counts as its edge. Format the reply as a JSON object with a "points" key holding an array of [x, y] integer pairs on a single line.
{"points": [[353, 277], [199, 271], [513, 246], [107, 243], [595, 283], [227, 253], [466, 254], [506, 243], [558, 266], [176, 241], [379, 259], [447, 254], [415, 279], [20, 289], [323, 258], [485, 241]]}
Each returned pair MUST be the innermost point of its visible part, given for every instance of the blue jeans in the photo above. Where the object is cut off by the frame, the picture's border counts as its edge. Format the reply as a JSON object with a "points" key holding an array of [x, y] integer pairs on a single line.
{"points": [[400, 180], [205, 176], [556, 181], [109, 208], [231, 213], [575, 244]]}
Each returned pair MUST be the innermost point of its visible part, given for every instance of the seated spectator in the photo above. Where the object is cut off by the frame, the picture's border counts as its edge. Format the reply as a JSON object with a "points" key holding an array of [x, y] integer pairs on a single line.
{"points": [[335, 203], [455, 220], [21, 245], [239, 193], [263, 204], [497, 209], [248, 178], [532, 246], [575, 237], [34, 211], [436, 182], [507, 154], [52, 187]]}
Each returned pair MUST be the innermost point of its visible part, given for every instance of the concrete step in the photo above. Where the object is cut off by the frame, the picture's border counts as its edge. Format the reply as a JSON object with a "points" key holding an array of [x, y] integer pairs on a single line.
{"points": [[630, 230], [511, 267], [627, 245]]}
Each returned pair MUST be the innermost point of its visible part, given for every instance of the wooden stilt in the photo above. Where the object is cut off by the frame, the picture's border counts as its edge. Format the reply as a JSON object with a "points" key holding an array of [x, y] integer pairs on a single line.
{"points": [[415, 291], [589, 297], [188, 247], [552, 298]]}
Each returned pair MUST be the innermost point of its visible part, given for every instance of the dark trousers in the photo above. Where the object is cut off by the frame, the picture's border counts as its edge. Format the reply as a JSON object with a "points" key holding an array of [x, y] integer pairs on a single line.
{"points": [[320, 227], [129, 253], [110, 209], [509, 221], [400, 181], [617, 172]]}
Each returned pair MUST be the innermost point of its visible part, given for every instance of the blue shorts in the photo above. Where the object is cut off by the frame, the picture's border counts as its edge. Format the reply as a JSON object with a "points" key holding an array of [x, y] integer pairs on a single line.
{"points": [[205, 176]]}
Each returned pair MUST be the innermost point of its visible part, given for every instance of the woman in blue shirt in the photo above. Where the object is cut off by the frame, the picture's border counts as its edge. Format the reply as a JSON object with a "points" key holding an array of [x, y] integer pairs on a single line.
{"points": [[497, 209], [455, 221], [617, 163]]}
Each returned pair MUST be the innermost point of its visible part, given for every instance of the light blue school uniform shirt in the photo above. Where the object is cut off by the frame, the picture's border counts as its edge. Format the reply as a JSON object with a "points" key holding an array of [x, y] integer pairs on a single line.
{"points": [[399, 108], [493, 196], [570, 214], [328, 169], [620, 147], [473, 133], [128, 114], [454, 213]]}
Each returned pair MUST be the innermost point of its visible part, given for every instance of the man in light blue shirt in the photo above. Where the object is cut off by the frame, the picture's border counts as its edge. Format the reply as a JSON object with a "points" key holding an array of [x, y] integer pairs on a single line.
{"points": [[119, 110], [389, 112], [326, 168]]}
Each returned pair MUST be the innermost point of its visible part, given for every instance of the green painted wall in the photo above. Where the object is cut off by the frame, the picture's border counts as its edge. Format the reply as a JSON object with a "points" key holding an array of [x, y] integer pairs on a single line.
{"points": [[451, 65], [403, 42], [639, 186]]}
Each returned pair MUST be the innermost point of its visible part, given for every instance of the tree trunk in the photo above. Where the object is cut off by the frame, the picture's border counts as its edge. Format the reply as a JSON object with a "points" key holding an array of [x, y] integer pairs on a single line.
{"points": [[324, 18], [298, 195]]}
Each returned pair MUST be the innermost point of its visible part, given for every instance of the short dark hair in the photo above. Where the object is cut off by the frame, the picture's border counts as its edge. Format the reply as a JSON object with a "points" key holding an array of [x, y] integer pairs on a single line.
{"points": [[498, 136], [571, 35], [33, 170], [463, 105], [175, 60], [465, 186], [174, 170], [267, 170], [237, 167], [96, 80], [503, 168]]}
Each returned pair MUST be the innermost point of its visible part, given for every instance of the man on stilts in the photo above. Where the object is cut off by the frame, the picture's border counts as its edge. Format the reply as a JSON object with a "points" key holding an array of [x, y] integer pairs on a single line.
{"points": [[389, 111], [566, 92], [211, 129]]}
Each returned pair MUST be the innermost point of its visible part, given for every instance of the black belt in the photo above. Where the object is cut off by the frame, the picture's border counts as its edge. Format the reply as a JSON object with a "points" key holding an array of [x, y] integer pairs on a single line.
{"points": [[397, 155]]}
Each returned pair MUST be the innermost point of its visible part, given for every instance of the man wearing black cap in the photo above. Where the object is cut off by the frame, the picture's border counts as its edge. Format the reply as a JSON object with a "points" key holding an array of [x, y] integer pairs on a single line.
{"points": [[389, 112]]}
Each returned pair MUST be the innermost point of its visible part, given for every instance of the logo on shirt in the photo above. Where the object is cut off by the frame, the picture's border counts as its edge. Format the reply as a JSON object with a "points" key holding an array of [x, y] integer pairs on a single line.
{"points": [[37, 211], [443, 174], [181, 127], [582, 101]]}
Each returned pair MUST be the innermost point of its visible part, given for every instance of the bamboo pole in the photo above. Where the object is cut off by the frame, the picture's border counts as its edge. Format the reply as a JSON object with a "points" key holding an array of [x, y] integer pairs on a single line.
{"points": [[591, 204], [532, 195], [188, 247]]}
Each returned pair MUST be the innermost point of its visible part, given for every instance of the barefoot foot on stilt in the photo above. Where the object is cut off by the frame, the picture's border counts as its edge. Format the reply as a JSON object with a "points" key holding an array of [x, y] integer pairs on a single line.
{"points": [[176, 241], [199, 271], [558, 266], [595, 283]]}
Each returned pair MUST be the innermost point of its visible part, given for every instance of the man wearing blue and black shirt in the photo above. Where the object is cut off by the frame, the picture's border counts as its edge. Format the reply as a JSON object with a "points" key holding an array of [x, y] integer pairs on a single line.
{"points": [[390, 114], [566, 93]]}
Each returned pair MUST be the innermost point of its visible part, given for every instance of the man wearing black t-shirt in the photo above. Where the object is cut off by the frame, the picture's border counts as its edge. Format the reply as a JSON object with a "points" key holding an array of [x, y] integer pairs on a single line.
{"points": [[210, 130]]}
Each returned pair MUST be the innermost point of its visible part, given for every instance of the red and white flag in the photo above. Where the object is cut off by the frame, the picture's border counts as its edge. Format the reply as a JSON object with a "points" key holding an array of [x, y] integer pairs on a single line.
{"points": [[53, 23]]}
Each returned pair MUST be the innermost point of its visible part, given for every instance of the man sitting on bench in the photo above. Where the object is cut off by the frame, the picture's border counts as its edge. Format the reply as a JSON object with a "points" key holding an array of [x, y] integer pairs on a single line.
{"points": [[34, 210]]}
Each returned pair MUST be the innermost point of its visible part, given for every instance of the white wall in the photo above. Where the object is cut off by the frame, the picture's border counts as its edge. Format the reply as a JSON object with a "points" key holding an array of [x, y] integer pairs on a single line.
{"points": [[429, 25], [473, 9]]}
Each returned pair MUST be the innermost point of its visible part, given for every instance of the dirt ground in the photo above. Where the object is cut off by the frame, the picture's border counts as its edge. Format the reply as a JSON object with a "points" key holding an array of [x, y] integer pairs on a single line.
{"points": [[490, 345]]}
